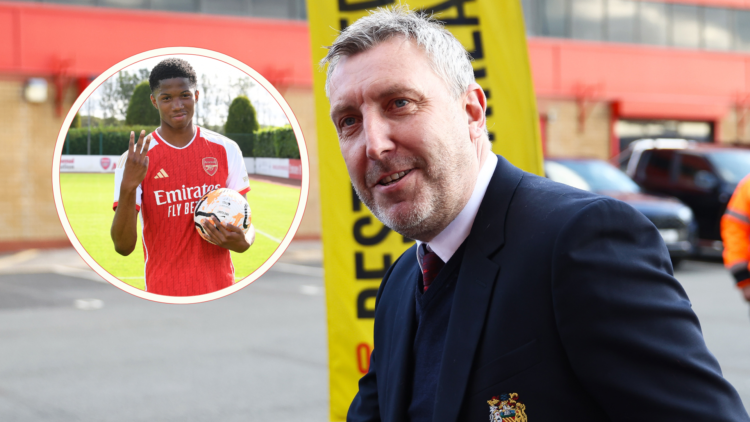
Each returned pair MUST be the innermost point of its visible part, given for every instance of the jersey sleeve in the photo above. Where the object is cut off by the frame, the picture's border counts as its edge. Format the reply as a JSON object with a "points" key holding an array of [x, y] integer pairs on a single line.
{"points": [[118, 181], [237, 175]]}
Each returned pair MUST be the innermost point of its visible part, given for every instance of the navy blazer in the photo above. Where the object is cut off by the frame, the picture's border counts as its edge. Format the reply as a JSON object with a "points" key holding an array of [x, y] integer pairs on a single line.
{"points": [[563, 297]]}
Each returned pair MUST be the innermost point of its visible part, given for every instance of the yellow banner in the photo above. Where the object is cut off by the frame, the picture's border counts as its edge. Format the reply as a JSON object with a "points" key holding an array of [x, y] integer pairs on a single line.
{"points": [[357, 248]]}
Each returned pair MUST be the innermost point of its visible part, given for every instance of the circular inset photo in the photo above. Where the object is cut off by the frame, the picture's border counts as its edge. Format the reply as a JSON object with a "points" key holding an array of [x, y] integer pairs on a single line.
{"points": [[180, 175]]}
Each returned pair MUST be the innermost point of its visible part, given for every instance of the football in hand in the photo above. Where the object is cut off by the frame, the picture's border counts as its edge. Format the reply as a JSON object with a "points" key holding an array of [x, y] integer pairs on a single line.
{"points": [[225, 204]]}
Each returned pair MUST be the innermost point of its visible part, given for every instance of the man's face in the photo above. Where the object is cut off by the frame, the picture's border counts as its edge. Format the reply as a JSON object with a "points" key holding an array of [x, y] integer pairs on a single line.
{"points": [[404, 138], [175, 100]]}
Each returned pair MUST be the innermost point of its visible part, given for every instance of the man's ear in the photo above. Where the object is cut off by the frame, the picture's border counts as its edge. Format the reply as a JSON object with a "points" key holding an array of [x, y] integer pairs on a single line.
{"points": [[153, 101], [197, 94], [475, 104]]}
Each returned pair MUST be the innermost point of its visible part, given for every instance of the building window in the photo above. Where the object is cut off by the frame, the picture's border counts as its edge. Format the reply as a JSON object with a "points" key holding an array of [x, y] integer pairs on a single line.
{"points": [[227, 7], [621, 21], [654, 23], [742, 26], [282, 9], [125, 4], [644, 22], [531, 16], [686, 26], [176, 5], [587, 21], [717, 29], [554, 18]]}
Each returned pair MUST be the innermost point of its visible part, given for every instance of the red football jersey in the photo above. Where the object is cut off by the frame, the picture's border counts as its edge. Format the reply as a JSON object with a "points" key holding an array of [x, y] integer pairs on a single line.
{"points": [[178, 261]]}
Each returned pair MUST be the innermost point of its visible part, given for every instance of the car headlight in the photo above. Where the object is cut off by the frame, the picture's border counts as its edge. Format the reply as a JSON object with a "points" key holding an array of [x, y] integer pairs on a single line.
{"points": [[685, 214]]}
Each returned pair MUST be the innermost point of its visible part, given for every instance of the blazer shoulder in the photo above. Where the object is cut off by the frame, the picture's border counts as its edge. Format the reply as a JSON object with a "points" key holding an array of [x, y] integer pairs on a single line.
{"points": [[544, 198]]}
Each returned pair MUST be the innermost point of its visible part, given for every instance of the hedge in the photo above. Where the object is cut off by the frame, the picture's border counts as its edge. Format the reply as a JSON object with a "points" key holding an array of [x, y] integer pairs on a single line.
{"points": [[285, 143], [113, 139], [245, 141], [277, 142], [273, 142], [264, 144]]}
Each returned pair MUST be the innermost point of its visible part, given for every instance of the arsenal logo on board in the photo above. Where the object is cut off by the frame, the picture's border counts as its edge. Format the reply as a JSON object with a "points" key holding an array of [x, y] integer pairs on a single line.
{"points": [[210, 164], [105, 161]]}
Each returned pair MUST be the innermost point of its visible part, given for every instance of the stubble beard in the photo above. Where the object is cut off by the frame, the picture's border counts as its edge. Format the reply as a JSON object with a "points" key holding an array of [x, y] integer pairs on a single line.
{"points": [[434, 206]]}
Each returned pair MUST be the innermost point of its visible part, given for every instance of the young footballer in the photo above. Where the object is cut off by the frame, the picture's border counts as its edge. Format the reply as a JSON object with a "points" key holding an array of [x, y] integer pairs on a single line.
{"points": [[162, 176]]}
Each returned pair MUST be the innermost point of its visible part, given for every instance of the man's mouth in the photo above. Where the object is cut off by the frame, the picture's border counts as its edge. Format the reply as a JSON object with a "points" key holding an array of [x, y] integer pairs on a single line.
{"points": [[393, 178]]}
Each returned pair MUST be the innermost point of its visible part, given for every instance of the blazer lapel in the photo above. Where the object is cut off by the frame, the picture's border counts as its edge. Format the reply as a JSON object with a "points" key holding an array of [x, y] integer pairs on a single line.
{"points": [[476, 281], [400, 347]]}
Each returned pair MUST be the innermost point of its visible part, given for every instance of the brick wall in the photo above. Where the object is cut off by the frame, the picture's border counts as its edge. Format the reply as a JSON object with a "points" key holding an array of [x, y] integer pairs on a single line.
{"points": [[27, 144], [564, 139], [731, 131], [302, 102]]}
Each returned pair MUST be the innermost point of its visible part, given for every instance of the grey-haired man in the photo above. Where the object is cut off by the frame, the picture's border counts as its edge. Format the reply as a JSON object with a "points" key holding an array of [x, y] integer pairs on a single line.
{"points": [[522, 298]]}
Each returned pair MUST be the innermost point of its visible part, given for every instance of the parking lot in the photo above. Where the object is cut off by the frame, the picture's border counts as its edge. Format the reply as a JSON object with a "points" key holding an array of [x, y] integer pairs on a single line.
{"points": [[76, 349]]}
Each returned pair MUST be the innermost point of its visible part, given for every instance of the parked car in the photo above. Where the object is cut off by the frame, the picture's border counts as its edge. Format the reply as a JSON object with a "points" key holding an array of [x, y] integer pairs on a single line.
{"points": [[672, 218], [703, 176]]}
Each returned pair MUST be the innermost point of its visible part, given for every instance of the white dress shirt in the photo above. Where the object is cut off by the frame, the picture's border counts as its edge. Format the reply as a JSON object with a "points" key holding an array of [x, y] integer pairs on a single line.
{"points": [[448, 241]]}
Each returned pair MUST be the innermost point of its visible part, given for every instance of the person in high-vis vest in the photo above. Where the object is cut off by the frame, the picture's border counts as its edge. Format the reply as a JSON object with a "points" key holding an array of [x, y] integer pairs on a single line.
{"points": [[735, 232]]}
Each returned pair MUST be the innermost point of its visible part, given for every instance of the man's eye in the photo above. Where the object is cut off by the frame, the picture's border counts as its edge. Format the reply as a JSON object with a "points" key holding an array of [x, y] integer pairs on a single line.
{"points": [[348, 121], [400, 103]]}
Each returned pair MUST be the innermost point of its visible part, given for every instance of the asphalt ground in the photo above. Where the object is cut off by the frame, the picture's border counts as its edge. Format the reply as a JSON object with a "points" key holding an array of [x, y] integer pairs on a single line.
{"points": [[73, 349], [76, 349]]}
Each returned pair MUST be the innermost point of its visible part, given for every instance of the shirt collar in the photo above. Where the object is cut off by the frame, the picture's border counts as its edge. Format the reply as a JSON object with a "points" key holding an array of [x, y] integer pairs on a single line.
{"points": [[448, 241]]}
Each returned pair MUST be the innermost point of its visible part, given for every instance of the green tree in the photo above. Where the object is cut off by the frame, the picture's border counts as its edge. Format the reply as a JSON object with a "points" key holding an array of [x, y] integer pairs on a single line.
{"points": [[140, 110], [116, 91], [241, 117], [76, 123]]}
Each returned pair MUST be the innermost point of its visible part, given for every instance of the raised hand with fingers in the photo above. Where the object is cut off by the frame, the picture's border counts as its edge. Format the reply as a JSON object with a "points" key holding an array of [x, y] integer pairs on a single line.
{"points": [[124, 225], [136, 165]]}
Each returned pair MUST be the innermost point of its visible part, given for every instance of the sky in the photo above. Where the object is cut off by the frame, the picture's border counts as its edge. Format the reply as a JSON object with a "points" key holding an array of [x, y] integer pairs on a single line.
{"points": [[224, 82]]}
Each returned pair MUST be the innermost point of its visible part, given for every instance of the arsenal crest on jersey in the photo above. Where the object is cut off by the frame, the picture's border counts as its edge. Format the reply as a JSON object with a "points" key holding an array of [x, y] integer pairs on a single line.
{"points": [[507, 408], [210, 164]]}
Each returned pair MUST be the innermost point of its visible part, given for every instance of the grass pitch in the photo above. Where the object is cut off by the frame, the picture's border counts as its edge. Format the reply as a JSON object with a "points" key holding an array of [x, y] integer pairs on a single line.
{"points": [[88, 199]]}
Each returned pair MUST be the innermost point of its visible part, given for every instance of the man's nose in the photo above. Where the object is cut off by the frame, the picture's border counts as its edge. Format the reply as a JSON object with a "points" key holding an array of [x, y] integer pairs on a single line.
{"points": [[377, 136]]}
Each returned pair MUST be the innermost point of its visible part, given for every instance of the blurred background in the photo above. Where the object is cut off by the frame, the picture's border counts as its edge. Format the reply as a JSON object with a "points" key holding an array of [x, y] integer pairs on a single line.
{"points": [[642, 100]]}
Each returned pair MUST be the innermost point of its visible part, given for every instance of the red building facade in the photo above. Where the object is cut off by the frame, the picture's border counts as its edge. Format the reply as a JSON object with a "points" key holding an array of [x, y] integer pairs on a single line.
{"points": [[609, 71]]}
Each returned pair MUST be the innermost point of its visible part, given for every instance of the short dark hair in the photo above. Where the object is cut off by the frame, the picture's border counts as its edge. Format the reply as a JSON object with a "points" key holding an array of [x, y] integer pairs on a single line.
{"points": [[172, 68]]}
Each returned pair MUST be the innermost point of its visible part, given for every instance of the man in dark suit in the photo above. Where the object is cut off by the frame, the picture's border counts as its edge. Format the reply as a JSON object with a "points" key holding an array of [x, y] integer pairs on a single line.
{"points": [[523, 299]]}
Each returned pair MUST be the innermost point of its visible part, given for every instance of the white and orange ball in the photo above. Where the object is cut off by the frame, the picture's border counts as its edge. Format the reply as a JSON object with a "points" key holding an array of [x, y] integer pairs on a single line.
{"points": [[227, 205]]}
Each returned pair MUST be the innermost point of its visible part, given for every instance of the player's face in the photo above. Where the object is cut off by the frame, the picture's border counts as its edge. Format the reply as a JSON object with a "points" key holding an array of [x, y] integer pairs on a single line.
{"points": [[404, 138], [175, 99]]}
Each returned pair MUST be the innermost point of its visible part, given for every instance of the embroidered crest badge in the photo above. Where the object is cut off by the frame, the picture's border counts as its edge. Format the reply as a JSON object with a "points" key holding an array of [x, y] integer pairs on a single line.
{"points": [[507, 408], [210, 164]]}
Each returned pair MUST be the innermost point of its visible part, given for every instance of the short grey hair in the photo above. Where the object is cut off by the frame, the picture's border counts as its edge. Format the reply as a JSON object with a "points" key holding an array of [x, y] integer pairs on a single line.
{"points": [[448, 58]]}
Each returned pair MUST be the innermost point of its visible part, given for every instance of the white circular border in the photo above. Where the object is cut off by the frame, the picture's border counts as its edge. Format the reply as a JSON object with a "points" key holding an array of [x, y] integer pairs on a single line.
{"points": [[304, 191]]}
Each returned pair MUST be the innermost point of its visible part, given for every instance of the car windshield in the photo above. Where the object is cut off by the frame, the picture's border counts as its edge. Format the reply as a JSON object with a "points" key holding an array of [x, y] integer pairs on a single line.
{"points": [[600, 176], [732, 165]]}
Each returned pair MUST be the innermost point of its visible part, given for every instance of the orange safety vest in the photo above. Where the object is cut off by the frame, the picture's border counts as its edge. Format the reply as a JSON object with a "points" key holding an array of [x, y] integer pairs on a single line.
{"points": [[735, 233]]}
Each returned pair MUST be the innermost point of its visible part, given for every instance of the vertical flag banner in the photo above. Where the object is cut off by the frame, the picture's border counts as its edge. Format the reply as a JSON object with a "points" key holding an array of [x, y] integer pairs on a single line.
{"points": [[357, 248]]}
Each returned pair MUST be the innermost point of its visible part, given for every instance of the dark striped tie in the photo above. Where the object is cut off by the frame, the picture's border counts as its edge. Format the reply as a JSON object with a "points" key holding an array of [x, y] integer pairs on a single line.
{"points": [[431, 266]]}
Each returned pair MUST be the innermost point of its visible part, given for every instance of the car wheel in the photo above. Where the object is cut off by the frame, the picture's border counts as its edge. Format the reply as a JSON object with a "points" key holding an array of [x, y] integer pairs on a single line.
{"points": [[676, 262]]}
